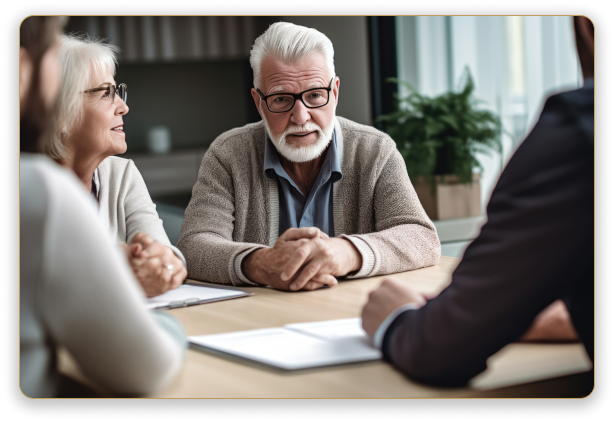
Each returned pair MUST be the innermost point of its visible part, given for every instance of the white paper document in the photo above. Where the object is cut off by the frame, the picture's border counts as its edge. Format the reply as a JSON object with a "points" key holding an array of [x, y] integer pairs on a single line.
{"points": [[297, 346], [189, 294]]}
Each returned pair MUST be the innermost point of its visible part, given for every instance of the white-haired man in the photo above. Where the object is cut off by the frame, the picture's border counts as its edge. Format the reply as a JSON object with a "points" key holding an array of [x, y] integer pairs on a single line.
{"points": [[336, 191]]}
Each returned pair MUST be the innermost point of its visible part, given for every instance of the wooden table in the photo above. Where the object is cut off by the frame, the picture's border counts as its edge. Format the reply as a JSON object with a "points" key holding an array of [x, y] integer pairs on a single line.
{"points": [[208, 375]]}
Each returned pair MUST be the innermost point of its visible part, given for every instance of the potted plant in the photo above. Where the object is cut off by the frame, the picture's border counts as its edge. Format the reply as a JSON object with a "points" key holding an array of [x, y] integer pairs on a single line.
{"points": [[439, 139]]}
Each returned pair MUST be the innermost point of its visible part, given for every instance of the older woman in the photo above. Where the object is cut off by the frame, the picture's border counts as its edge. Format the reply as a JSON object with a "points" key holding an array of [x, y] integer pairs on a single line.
{"points": [[87, 135]]}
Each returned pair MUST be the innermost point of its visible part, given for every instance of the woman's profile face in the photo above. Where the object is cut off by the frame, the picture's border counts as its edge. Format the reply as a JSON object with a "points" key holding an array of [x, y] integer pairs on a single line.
{"points": [[101, 131]]}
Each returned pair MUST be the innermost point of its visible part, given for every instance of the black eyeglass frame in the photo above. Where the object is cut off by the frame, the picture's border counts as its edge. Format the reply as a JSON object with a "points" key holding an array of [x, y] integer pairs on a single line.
{"points": [[298, 96], [115, 90]]}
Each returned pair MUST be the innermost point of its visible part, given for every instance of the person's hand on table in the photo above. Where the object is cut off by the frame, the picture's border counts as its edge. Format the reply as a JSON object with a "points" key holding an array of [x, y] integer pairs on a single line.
{"points": [[552, 324], [382, 301], [266, 265], [319, 259], [155, 265]]}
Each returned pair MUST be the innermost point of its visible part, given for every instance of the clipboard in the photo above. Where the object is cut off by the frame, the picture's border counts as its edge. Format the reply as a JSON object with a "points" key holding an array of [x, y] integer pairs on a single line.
{"points": [[190, 294]]}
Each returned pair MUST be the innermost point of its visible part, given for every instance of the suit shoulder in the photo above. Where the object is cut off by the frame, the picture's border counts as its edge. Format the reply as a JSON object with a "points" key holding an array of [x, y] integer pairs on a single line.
{"points": [[573, 108], [576, 103]]}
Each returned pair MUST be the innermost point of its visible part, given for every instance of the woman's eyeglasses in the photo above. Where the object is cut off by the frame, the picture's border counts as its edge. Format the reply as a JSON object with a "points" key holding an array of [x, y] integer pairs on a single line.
{"points": [[111, 90]]}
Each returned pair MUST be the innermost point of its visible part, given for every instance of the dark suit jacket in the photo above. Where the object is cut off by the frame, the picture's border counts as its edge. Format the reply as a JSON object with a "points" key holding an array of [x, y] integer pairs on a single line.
{"points": [[537, 246]]}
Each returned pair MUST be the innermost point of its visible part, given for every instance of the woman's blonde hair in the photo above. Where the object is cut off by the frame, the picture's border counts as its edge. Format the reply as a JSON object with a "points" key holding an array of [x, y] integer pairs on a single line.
{"points": [[81, 57]]}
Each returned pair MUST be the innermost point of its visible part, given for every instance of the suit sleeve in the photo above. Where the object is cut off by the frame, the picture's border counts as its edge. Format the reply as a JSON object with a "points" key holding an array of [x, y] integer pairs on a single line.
{"points": [[404, 238], [206, 234], [537, 242]]}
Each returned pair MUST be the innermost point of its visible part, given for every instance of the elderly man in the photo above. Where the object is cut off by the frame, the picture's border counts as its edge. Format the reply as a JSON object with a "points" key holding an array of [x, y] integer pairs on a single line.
{"points": [[302, 197]]}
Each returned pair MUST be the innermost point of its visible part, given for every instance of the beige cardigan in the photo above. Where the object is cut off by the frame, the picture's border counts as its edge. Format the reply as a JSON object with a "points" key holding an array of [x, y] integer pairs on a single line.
{"points": [[235, 207], [125, 205]]}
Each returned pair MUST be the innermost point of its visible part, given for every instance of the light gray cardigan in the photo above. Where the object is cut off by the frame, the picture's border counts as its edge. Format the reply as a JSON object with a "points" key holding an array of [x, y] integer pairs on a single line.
{"points": [[235, 207], [77, 291], [125, 205]]}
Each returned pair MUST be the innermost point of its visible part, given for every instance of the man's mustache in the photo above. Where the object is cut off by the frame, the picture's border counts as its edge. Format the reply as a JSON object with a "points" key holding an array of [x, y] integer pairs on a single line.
{"points": [[302, 128]]}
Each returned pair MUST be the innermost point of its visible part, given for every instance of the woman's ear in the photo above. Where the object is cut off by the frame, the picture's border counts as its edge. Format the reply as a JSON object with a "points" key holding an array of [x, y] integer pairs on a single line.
{"points": [[25, 76]]}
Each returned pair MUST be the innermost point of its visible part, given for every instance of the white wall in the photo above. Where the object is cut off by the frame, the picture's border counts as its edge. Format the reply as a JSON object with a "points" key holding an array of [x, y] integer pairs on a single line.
{"points": [[552, 63], [423, 66], [476, 43]]}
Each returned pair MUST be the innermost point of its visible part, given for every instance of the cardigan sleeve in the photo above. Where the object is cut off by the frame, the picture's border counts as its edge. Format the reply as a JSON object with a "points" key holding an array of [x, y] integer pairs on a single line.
{"points": [[404, 238], [206, 237], [140, 211]]}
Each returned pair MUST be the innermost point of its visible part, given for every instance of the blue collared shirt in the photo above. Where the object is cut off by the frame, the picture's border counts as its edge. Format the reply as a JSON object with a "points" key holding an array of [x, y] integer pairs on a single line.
{"points": [[296, 210]]}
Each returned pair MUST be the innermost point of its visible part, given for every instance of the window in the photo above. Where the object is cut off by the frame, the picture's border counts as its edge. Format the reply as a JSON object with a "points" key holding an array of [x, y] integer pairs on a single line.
{"points": [[516, 63]]}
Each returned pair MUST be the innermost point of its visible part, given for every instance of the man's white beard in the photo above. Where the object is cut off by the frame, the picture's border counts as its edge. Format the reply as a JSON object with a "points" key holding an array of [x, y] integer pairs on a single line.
{"points": [[301, 154]]}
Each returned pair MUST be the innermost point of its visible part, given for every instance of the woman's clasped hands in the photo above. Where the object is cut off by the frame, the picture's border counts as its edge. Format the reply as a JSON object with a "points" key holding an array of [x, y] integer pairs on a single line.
{"points": [[155, 265]]}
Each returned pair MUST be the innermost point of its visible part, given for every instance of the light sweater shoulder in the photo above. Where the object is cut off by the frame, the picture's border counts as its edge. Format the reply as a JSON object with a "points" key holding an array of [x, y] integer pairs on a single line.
{"points": [[39, 163], [54, 178], [116, 167]]}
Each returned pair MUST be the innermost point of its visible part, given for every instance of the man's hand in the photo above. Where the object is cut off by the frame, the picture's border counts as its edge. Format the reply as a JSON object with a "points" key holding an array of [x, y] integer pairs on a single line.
{"points": [[390, 295], [155, 266], [320, 257], [552, 324], [264, 266]]}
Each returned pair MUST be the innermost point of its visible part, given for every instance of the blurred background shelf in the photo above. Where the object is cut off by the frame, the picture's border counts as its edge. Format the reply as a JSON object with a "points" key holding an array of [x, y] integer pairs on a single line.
{"points": [[192, 73], [171, 174]]}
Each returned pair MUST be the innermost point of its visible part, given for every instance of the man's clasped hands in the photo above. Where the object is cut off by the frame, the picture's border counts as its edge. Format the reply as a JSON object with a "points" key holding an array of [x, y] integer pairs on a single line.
{"points": [[302, 259]]}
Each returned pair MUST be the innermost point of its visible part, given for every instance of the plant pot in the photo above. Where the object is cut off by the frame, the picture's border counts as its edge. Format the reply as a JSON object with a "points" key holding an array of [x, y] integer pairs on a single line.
{"points": [[451, 199]]}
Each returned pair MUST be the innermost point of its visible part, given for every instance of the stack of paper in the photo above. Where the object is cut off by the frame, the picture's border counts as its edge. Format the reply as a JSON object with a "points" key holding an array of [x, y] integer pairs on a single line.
{"points": [[297, 346]]}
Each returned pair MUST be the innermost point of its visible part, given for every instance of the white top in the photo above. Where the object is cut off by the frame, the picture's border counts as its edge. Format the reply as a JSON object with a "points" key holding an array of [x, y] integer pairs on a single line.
{"points": [[77, 291], [125, 205]]}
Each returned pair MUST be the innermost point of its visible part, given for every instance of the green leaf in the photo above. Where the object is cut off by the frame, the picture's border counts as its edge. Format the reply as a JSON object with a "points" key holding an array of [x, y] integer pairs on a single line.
{"points": [[424, 127]]}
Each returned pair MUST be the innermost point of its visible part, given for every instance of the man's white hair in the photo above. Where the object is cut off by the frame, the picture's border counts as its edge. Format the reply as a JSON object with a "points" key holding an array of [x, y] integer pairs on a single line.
{"points": [[81, 58], [289, 43]]}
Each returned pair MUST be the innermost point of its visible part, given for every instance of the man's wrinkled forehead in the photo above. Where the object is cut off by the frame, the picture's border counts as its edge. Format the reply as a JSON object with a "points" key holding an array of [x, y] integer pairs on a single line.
{"points": [[284, 87], [309, 72]]}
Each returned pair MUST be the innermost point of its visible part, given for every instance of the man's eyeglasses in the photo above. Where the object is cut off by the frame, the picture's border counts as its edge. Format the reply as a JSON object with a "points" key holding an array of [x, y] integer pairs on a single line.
{"points": [[121, 90], [282, 102]]}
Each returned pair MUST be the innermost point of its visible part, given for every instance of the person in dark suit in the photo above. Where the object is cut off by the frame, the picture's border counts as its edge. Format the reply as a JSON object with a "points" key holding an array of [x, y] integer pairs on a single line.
{"points": [[537, 248]]}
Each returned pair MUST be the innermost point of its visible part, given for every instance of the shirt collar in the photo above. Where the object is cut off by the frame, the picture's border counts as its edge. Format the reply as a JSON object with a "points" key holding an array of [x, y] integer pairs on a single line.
{"points": [[272, 164]]}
